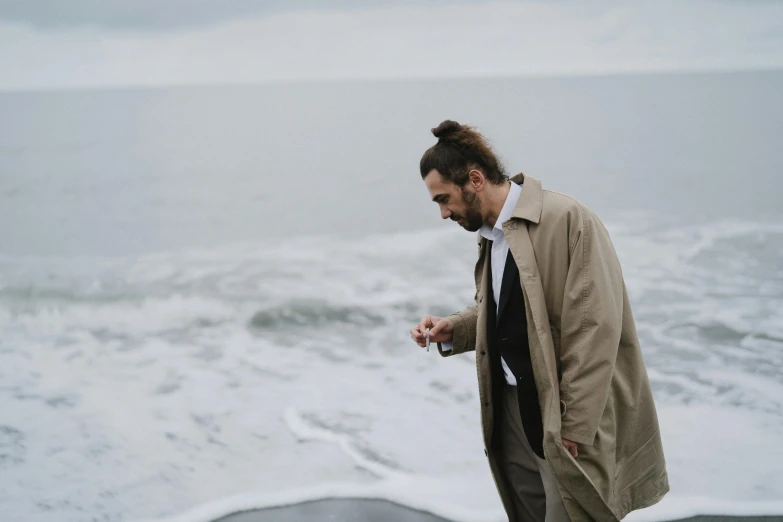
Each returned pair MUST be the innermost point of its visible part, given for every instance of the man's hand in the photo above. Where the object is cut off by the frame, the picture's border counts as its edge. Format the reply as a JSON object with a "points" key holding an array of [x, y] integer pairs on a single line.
{"points": [[571, 447], [441, 330]]}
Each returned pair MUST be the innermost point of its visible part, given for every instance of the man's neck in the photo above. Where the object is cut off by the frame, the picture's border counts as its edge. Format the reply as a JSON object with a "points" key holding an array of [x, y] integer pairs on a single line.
{"points": [[496, 198]]}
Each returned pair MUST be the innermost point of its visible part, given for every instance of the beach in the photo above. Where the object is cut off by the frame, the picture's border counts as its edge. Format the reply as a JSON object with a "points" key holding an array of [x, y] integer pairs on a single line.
{"points": [[357, 510]]}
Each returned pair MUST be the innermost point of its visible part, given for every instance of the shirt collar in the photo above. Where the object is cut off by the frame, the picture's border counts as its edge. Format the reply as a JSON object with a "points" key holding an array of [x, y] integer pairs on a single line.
{"points": [[505, 213]]}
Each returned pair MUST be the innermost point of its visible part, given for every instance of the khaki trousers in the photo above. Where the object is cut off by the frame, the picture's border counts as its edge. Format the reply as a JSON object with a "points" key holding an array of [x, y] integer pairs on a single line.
{"points": [[530, 481]]}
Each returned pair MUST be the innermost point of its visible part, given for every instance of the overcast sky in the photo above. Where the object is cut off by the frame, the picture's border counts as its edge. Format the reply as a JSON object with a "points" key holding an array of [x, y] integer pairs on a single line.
{"points": [[49, 44]]}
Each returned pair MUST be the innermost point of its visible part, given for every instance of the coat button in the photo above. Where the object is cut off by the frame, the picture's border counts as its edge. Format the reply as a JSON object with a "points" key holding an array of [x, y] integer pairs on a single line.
{"points": [[483, 352]]}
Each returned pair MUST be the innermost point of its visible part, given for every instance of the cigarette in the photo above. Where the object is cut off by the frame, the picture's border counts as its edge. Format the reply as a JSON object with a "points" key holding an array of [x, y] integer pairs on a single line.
{"points": [[427, 336]]}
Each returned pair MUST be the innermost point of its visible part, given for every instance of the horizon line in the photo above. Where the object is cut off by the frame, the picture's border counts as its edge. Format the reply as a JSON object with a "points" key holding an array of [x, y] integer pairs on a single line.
{"points": [[389, 79]]}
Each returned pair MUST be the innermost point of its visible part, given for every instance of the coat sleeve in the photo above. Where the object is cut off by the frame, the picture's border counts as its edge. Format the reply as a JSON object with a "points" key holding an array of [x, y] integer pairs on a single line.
{"points": [[591, 325], [464, 332]]}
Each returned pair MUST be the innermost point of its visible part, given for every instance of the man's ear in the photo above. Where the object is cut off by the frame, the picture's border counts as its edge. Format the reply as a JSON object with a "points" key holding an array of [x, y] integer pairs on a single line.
{"points": [[477, 179]]}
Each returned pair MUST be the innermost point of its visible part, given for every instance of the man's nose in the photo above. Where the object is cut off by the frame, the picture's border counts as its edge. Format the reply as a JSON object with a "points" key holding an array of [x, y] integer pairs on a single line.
{"points": [[445, 213]]}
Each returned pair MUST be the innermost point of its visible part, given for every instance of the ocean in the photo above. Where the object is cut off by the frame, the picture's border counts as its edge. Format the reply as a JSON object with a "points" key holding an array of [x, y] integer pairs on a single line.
{"points": [[206, 292]]}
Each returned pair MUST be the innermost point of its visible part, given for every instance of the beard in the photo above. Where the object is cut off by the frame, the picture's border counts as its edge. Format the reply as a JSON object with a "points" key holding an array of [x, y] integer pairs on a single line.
{"points": [[472, 220]]}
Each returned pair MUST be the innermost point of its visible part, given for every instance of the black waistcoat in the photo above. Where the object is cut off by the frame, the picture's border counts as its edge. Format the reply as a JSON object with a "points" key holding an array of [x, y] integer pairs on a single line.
{"points": [[509, 339]]}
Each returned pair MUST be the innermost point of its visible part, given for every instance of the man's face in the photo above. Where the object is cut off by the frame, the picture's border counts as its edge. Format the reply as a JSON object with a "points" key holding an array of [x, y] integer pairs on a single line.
{"points": [[460, 204]]}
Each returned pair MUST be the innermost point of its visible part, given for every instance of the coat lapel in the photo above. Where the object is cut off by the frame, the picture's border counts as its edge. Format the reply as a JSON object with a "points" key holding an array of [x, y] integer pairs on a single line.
{"points": [[527, 213]]}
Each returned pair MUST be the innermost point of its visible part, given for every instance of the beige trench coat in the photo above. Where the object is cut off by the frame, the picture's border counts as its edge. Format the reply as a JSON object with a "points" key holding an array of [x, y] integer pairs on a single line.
{"points": [[580, 328]]}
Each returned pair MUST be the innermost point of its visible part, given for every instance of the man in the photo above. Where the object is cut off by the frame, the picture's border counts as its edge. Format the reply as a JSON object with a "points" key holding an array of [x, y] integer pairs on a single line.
{"points": [[569, 424]]}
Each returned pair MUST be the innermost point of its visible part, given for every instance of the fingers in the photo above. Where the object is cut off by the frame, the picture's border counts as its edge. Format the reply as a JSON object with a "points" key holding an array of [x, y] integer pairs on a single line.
{"points": [[436, 328], [426, 322], [571, 447], [418, 337], [442, 331], [418, 332]]}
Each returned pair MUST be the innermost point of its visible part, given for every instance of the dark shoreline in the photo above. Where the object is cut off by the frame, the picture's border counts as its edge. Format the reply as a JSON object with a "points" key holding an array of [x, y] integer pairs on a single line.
{"points": [[365, 510]]}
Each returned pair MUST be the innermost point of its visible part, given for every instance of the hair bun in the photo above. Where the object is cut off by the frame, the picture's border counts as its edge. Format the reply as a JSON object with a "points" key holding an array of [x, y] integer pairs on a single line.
{"points": [[445, 128]]}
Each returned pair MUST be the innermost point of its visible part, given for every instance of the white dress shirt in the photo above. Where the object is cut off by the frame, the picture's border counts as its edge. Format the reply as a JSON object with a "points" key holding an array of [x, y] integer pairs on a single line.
{"points": [[499, 254]]}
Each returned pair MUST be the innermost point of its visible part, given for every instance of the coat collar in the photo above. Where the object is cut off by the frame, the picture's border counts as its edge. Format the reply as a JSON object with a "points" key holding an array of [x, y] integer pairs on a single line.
{"points": [[530, 202], [505, 213]]}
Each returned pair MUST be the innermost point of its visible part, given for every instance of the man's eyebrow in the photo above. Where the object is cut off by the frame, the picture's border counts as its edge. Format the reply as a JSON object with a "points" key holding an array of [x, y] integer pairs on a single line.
{"points": [[440, 198]]}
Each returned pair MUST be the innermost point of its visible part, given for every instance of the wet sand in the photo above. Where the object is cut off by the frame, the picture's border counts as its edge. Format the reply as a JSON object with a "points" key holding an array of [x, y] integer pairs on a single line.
{"points": [[362, 510]]}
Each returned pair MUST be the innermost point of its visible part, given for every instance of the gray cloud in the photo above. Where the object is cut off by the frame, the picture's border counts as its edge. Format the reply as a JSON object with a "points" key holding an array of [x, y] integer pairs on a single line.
{"points": [[166, 14], [206, 43]]}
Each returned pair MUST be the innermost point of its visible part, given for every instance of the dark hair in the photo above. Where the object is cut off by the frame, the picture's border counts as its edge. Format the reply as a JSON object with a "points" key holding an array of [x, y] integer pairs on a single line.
{"points": [[461, 148]]}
